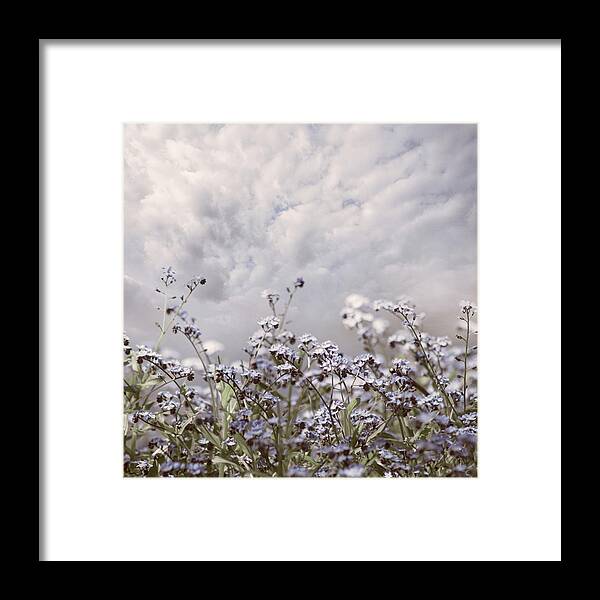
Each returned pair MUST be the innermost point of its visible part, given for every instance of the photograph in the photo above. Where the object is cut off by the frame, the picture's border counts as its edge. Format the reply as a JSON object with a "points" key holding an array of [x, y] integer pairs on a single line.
{"points": [[300, 300]]}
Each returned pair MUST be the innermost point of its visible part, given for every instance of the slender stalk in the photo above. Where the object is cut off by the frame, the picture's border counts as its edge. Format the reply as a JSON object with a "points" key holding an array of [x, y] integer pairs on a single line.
{"points": [[164, 324], [428, 364], [176, 312], [210, 385], [468, 320], [287, 306]]}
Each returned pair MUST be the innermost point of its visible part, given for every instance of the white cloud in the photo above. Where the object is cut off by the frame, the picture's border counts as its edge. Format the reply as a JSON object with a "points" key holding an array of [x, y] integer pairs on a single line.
{"points": [[379, 211]]}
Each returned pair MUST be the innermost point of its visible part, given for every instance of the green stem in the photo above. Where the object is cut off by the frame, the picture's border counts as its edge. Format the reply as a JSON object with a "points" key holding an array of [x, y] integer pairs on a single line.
{"points": [[466, 357]]}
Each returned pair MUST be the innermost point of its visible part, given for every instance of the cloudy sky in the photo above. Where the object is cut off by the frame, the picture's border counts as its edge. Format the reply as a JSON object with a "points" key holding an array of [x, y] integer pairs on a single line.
{"points": [[379, 210]]}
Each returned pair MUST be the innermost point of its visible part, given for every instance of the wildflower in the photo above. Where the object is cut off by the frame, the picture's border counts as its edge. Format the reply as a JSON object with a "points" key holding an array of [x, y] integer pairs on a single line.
{"points": [[459, 471], [467, 307], [190, 331], [401, 367], [296, 471], [164, 397], [423, 418], [195, 469], [168, 276], [458, 451], [269, 323], [194, 282], [271, 296], [407, 311], [302, 405], [352, 471], [307, 341], [254, 376], [442, 420], [469, 418], [282, 352], [143, 415], [143, 466], [383, 305], [467, 438]]}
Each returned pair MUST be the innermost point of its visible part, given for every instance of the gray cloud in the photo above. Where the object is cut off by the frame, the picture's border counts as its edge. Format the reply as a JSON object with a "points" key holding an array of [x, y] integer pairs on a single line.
{"points": [[377, 210]]}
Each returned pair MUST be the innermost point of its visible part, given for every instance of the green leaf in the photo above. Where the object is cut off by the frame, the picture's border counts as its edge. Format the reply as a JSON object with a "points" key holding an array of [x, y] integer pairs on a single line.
{"points": [[377, 432], [345, 421], [185, 424], [150, 382], [352, 405], [209, 435], [226, 394], [218, 460], [242, 444], [155, 469]]}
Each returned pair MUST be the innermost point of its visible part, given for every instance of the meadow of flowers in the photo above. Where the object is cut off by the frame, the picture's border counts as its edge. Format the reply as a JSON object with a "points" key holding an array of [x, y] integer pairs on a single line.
{"points": [[296, 406]]}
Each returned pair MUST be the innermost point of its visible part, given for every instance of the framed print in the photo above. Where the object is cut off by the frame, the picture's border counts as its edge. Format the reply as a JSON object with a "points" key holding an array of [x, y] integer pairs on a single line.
{"points": [[300, 290]]}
